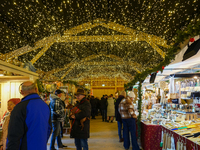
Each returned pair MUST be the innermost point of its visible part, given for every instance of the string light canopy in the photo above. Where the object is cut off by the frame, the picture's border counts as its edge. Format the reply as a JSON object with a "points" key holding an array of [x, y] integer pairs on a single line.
{"points": [[72, 38]]}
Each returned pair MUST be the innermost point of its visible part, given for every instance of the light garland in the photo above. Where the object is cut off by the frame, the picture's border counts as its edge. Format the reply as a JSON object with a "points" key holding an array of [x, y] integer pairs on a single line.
{"points": [[56, 35]]}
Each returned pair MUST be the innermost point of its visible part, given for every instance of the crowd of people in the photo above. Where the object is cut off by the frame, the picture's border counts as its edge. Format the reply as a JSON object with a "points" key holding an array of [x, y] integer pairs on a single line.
{"points": [[121, 108], [30, 120], [104, 106]]}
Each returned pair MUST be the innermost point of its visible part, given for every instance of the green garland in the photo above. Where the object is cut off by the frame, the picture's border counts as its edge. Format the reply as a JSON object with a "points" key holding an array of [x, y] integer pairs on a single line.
{"points": [[139, 109], [40, 87], [70, 82], [191, 31], [75, 83]]}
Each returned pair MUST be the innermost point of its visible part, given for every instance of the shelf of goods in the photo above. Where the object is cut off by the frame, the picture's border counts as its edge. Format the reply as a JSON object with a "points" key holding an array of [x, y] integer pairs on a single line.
{"points": [[152, 134], [176, 121]]}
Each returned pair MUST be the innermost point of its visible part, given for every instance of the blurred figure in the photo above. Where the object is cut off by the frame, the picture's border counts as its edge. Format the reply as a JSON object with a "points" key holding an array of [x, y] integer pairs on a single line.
{"points": [[104, 105], [116, 97], [110, 108], [126, 110], [11, 104], [63, 98], [121, 96], [98, 106], [88, 97], [93, 103]]}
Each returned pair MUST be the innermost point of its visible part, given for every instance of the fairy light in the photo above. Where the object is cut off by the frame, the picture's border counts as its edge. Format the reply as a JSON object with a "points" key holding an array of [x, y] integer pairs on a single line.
{"points": [[28, 23]]}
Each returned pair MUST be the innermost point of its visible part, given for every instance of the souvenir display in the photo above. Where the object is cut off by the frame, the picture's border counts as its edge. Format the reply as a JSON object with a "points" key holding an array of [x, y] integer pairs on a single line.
{"points": [[177, 114]]}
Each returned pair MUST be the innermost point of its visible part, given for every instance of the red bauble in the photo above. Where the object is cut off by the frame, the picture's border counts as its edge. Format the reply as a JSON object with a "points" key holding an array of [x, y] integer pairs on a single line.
{"points": [[163, 67], [157, 71], [192, 39]]}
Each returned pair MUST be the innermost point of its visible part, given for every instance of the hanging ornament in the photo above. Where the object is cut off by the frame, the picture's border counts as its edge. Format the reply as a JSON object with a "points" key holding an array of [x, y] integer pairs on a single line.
{"points": [[163, 67], [157, 71], [192, 39]]}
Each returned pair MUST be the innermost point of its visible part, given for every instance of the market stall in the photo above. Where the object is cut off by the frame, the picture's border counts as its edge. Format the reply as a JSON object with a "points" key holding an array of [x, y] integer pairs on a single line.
{"points": [[177, 114], [11, 77]]}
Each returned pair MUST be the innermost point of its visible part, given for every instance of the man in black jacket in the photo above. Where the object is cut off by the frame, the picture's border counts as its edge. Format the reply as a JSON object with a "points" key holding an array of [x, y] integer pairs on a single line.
{"points": [[93, 103], [81, 135], [104, 105]]}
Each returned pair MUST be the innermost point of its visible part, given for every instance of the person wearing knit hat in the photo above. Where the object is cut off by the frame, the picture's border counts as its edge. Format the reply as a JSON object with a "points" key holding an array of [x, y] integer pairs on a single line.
{"points": [[131, 94], [11, 104], [126, 110]]}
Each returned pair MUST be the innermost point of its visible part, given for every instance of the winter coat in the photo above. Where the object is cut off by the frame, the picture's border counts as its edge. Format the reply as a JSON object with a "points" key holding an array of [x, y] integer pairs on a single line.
{"points": [[57, 108], [103, 103], [117, 114], [30, 124], [76, 131], [111, 107], [5, 131], [126, 108], [93, 103]]}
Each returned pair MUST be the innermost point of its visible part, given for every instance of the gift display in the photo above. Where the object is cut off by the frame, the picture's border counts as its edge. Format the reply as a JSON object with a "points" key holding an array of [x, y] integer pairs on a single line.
{"points": [[176, 117]]}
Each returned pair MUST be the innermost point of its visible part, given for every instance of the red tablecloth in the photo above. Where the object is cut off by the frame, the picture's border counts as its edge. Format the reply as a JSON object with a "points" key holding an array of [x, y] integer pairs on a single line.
{"points": [[189, 144], [150, 136]]}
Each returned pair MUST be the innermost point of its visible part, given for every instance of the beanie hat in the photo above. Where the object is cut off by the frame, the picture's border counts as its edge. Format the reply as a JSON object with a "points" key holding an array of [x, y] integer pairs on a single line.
{"points": [[58, 92], [131, 94], [14, 100]]}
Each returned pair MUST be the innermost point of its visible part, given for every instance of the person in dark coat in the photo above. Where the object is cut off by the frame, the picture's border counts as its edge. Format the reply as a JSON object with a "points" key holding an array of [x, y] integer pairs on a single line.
{"points": [[104, 105], [64, 106], [81, 135], [93, 103], [98, 106], [122, 95]]}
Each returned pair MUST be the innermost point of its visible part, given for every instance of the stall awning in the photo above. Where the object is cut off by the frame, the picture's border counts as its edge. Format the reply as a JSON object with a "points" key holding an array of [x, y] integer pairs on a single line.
{"points": [[17, 70], [178, 65]]}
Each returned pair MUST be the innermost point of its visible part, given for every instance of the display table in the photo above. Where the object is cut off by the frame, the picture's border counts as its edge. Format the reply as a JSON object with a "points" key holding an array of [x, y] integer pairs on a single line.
{"points": [[189, 144], [150, 136]]}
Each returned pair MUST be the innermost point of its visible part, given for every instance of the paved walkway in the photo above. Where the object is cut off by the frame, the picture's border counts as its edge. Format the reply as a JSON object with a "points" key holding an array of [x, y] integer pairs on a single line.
{"points": [[103, 136]]}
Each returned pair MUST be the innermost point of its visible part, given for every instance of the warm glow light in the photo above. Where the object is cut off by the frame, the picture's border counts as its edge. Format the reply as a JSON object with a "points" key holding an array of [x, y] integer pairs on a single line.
{"points": [[195, 77], [55, 36]]}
